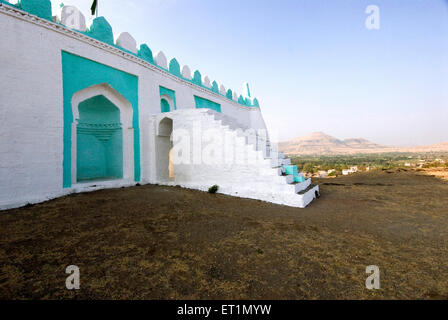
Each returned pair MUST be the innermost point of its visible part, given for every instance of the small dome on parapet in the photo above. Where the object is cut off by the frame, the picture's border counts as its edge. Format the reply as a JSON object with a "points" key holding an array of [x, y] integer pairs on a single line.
{"points": [[215, 87], [206, 82], [145, 53], [186, 72], [101, 30], [174, 67], [197, 78], [161, 60], [127, 42], [40, 8], [222, 90], [71, 17]]}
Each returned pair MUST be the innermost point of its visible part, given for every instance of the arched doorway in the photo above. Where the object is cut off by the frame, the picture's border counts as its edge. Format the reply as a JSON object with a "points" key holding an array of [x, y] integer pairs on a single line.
{"points": [[164, 146], [99, 140]]}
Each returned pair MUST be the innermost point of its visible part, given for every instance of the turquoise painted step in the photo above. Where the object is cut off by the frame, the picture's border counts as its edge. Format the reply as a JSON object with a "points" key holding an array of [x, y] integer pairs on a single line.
{"points": [[291, 170], [294, 171]]}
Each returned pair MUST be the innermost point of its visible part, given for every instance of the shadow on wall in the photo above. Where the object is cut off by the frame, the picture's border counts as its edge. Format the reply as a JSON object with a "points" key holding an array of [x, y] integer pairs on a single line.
{"points": [[164, 145]]}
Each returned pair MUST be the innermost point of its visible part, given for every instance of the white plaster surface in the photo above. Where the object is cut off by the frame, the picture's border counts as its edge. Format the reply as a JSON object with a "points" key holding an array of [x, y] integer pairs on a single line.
{"points": [[186, 72], [126, 41], [161, 60], [222, 89], [72, 17], [206, 82]]}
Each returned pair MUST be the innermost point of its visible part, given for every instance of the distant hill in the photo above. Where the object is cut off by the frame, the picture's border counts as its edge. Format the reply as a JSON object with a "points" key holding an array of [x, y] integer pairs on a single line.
{"points": [[321, 143]]}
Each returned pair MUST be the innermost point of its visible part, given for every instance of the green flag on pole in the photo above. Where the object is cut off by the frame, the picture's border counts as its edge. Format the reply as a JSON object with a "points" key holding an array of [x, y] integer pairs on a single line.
{"points": [[94, 7]]}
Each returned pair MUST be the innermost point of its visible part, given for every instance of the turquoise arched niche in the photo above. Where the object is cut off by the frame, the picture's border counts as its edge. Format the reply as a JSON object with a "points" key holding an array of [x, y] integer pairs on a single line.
{"points": [[167, 96], [99, 140], [40, 8], [78, 74]]}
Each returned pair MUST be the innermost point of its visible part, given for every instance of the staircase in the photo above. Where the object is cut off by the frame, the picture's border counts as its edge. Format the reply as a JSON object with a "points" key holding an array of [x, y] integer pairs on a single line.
{"points": [[261, 173]]}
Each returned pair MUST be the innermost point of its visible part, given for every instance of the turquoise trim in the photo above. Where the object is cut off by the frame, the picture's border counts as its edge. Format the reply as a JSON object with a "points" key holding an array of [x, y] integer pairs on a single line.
{"points": [[205, 103], [197, 78], [40, 8], [293, 170], [215, 88], [255, 103], [241, 100], [145, 53], [170, 93], [80, 73], [174, 67], [101, 30]]}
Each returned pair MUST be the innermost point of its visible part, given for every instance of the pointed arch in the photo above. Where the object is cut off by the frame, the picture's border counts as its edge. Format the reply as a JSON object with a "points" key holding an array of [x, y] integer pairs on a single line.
{"points": [[126, 120]]}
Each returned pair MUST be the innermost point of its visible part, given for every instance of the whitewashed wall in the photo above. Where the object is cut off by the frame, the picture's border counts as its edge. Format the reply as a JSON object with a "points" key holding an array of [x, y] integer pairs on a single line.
{"points": [[31, 104]]}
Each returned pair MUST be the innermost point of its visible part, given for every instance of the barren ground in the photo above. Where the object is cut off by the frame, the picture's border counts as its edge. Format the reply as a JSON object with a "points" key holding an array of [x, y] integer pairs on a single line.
{"points": [[154, 242]]}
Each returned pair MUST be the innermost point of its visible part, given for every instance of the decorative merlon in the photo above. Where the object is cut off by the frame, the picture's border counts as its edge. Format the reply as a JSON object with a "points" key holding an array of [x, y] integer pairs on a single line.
{"points": [[101, 30]]}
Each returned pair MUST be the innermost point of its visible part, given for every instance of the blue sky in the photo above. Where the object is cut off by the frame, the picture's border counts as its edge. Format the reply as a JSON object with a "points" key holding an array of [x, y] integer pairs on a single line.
{"points": [[313, 64]]}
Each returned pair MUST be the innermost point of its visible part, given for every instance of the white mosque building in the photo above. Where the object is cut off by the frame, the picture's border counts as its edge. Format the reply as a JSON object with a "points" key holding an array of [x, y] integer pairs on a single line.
{"points": [[82, 110]]}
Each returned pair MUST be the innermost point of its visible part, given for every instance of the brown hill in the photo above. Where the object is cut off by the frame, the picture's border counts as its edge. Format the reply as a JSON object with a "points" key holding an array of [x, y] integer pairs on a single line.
{"points": [[321, 143]]}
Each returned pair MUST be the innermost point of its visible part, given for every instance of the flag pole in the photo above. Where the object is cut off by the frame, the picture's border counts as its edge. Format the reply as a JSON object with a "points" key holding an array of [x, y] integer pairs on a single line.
{"points": [[97, 6]]}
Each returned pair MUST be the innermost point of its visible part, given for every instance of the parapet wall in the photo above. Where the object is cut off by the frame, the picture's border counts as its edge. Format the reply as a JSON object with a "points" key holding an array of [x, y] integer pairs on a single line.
{"points": [[36, 103], [100, 29]]}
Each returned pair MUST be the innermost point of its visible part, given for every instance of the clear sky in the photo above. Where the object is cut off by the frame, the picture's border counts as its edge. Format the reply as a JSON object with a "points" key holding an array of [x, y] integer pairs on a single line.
{"points": [[313, 64]]}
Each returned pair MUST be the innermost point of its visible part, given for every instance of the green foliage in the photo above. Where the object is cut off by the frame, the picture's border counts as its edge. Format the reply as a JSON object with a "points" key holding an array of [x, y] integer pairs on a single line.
{"points": [[308, 167], [213, 189], [380, 161]]}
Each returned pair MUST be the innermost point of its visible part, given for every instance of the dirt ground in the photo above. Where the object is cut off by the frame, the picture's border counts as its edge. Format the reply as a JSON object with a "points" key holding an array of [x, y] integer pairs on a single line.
{"points": [[154, 242]]}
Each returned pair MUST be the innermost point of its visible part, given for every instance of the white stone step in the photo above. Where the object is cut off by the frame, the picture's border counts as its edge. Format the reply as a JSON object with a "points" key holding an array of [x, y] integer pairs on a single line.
{"points": [[289, 179], [300, 186]]}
